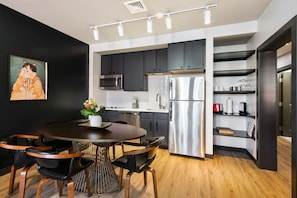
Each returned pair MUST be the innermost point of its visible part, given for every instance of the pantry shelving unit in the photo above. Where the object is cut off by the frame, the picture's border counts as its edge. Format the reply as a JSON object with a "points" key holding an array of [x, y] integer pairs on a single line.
{"points": [[243, 133]]}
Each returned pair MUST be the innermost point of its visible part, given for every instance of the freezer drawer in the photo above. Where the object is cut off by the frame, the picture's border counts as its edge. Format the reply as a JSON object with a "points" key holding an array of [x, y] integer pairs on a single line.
{"points": [[186, 128]]}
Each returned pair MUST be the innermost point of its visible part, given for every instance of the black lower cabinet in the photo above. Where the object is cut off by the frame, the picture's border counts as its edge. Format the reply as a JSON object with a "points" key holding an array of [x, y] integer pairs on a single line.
{"points": [[109, 116], [156, 124]]}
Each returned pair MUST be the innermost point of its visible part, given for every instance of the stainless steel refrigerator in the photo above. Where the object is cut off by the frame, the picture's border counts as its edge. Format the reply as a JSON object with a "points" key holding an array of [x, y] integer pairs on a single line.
{"points": [[186, 115]]}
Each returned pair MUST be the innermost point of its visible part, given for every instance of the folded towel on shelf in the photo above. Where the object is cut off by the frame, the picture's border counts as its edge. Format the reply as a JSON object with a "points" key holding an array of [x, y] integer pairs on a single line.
{"points": [[225, 131]]}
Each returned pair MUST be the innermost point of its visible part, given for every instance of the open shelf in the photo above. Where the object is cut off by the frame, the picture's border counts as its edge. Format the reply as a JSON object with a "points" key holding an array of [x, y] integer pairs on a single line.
{"points": [[235, 92], [233, 56], [233, 114], [239, 72], [236, 133]]}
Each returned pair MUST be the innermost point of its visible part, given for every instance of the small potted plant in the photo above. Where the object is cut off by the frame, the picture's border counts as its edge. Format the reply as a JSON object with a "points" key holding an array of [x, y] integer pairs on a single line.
{"points": [[92, 110]]}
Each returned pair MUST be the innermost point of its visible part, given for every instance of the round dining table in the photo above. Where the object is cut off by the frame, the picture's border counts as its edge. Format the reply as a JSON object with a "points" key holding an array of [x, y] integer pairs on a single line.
{"points": [[94, 142]]}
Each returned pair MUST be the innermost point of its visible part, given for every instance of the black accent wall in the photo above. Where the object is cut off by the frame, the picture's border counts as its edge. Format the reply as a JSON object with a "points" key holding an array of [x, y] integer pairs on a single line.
{"points": [[67, 74]]}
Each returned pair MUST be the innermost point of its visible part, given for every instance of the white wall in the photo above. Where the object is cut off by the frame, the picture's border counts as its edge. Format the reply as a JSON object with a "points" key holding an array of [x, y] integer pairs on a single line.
{"points": [[278, 13]]}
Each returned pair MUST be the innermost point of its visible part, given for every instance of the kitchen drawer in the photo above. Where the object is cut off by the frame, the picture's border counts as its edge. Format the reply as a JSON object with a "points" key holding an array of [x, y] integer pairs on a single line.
{"points": [[163, 116], [147, 115]]}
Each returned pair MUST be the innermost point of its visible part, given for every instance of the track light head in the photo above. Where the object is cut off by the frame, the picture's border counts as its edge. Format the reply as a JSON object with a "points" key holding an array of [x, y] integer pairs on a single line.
{"points": [[149, 25], [207, 17], [121, 29], [96, 34], [168, 22]]}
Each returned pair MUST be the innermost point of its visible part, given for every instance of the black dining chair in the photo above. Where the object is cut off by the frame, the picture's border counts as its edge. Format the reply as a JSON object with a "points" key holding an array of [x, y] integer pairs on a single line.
{"points": [[18, 143], [57, 145], [114, 144], [138, 161], [61, 167]]}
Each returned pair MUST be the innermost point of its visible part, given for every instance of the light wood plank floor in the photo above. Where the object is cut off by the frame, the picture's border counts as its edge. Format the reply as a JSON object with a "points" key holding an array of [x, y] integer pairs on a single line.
{"points": [[229, 174]]}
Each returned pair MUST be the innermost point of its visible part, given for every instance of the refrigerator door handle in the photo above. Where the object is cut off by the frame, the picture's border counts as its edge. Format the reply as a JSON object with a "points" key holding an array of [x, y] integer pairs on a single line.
{"points": [[170, 111], [170, 89]]}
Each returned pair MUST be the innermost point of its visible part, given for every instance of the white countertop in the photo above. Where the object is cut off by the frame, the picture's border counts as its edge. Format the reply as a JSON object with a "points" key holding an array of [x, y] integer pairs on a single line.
{"points": [[138, 110]]}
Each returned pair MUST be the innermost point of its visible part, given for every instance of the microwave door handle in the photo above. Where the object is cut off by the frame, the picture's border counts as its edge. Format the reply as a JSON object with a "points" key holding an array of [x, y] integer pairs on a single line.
{"points": [[116, 82]]}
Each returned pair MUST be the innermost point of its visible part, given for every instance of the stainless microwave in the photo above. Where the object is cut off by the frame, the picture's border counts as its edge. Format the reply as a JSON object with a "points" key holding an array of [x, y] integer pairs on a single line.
{"points": [[111, 82]]}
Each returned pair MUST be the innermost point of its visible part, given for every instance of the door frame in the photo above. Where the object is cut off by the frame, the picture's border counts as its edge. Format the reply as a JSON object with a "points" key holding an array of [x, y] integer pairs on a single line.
{"points": [[266, 99]]}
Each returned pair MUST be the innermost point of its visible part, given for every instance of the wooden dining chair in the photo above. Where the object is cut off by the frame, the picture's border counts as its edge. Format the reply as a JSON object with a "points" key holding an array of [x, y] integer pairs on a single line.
{"points": [[138, 161], [114, 144], [61, 167], [18, 143], [57, 145]]}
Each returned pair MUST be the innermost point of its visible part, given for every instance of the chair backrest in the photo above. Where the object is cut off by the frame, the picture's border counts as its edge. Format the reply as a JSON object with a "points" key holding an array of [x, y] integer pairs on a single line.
{"points": [[19, 143], [121, 122], [55, 161], [144, 156], [154, 145]]}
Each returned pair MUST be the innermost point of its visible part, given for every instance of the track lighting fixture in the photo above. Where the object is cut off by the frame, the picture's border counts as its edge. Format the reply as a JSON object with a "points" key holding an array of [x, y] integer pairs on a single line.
{"points": [[121, 29], [168, 21], [149, 25], [96, 34], [207, 17]]}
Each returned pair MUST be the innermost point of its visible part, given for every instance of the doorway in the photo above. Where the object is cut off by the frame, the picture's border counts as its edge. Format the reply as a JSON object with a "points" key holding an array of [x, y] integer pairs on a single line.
{"points": [[267, 118], [284, 102]]}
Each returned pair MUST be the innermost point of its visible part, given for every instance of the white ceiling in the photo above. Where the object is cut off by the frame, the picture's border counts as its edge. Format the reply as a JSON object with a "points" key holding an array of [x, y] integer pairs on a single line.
{"points": [[75, 17]]}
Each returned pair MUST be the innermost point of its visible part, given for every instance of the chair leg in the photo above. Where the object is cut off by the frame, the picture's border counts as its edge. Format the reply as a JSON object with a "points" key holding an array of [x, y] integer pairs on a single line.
{"points": [[121, 178], [145, 177], [123, 149], [88, 185], [60, 187], [23, 178], [113, 151], [12, 177], [127, 184], [154, 181], [70, 187], [96, 157], [39, 188]]}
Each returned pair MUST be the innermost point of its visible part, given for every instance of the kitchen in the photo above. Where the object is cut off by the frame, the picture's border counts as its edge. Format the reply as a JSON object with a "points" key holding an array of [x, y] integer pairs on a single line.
{"points": [[96, 49]]}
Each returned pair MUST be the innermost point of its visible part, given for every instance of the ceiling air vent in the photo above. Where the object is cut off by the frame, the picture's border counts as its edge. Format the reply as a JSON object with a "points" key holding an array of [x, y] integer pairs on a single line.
{"points": [[135, 6]]}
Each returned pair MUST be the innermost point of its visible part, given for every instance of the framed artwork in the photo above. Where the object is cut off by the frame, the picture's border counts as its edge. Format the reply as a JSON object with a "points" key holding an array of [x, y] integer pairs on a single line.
{"points": [[28, 78]]}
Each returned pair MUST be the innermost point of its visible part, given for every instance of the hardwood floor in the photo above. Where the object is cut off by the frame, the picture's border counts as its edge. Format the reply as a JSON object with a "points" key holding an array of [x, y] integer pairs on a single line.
{"points": [[229, 174]]}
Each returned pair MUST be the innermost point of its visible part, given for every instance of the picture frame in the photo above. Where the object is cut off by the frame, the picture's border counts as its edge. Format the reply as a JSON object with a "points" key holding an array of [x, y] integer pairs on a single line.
{"points": [[27, 78]]}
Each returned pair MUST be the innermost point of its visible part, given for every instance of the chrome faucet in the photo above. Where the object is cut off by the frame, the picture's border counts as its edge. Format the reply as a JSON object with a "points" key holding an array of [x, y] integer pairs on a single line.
{"points": [[158, 97]]}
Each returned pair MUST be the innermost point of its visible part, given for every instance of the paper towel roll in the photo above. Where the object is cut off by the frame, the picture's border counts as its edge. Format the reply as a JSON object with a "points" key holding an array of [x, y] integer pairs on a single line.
{"points": [[229, 106]]}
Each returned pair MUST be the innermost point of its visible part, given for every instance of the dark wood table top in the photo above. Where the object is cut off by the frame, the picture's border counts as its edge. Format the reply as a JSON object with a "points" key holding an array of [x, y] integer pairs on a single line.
{"points": [[73, 131]]}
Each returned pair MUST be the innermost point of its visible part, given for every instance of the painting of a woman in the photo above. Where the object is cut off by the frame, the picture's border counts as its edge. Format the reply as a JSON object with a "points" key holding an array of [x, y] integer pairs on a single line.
{"points": [[28, 85]]}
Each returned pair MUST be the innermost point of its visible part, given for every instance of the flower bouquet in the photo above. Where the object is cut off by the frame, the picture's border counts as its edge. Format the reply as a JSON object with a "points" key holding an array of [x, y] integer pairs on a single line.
{"points": [[92, 108]]}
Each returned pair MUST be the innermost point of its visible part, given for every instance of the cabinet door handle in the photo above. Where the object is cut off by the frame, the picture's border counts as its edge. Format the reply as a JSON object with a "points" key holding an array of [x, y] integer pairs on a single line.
{"points": [[157, 127], [150, 125]]}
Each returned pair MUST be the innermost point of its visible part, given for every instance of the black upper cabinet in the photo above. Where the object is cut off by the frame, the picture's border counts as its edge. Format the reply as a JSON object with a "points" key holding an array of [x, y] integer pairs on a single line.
{"points": [[117, 63], [155, 61], [161, 60], [112, 64], [133, 72], [186, 55], [195, 54], [175, 56], [150, 61], [105, 64]]}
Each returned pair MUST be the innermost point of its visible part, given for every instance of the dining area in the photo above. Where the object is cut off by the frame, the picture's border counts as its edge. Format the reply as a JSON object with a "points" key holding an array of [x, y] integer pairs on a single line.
{"points": [[75, 157], [228, 173]]}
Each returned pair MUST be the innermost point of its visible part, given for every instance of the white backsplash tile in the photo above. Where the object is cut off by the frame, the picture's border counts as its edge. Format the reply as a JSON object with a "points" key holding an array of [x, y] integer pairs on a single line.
{"points": [[146, 99]]}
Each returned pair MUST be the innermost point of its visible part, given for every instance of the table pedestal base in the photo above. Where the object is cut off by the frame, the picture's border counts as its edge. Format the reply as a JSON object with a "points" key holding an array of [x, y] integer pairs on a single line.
{"points": [[102, 175]]}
